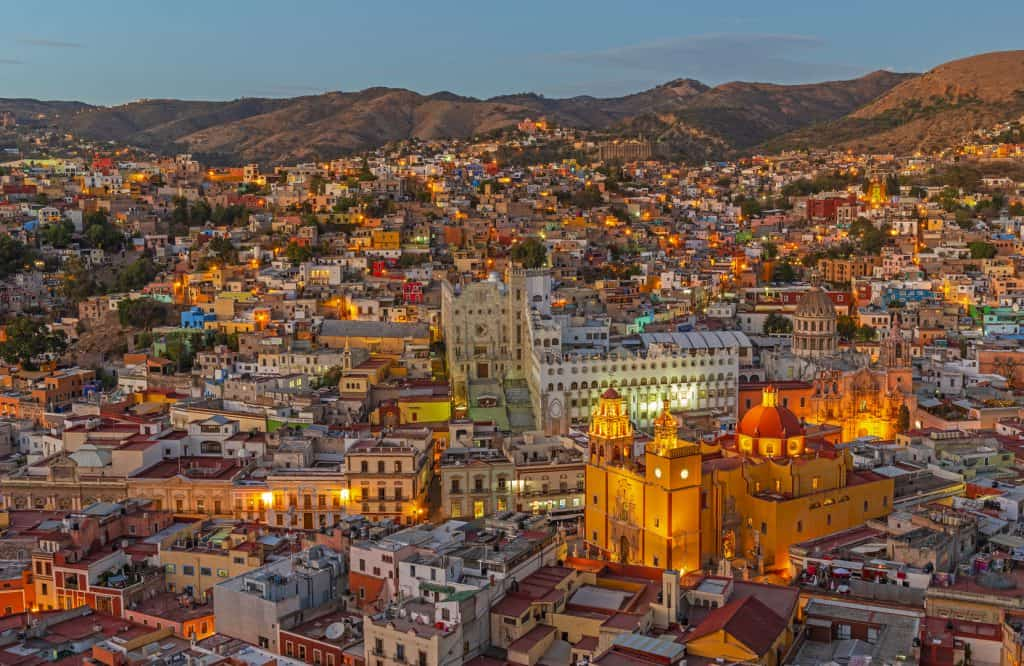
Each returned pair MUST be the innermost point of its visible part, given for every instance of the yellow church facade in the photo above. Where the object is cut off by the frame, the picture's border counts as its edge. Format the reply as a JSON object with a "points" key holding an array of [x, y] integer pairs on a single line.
{"points": [[642, 508], [743, 502]]}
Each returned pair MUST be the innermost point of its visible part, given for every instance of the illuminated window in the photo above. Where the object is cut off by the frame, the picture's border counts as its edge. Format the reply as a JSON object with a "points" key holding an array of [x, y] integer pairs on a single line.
{"points": [[478, 509], [816, 482]]}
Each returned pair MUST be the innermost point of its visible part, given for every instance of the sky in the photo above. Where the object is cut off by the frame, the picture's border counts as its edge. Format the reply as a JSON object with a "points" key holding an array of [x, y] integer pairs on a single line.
{"points": [[111, 52]]}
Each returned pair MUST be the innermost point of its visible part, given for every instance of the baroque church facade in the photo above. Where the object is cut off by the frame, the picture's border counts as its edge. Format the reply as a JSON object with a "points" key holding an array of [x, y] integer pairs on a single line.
{"points": [[854, 393]]}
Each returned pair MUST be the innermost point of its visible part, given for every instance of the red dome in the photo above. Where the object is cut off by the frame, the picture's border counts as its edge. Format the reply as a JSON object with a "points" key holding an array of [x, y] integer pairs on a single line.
{"points": [[770, 421], [610, 394]]}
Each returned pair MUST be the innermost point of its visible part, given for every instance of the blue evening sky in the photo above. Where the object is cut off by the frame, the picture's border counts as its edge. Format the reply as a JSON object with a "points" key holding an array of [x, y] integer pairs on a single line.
{"points": [[112, 51]]}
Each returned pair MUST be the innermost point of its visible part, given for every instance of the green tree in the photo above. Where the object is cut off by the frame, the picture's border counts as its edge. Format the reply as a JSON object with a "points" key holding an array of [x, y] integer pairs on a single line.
{"points": [[750, 207], [142, 313], [79, 283], [866, 333], [777, 324], [136, 274], [28, 339], [58, 234], [846, 327], [903, 419], [15, 256], [222, 251], [105, 236], [982, 250], [784, 273], [769, 251], [298, 253], [531, 253]]}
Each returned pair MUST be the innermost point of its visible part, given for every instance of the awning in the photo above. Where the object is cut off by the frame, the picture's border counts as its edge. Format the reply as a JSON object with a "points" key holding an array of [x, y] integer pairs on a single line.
{"points": [[1007, 541]]}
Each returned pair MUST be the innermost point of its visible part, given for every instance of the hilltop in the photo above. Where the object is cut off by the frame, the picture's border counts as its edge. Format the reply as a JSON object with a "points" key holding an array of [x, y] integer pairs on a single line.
{"points": [[930, 110], [881, 111]]}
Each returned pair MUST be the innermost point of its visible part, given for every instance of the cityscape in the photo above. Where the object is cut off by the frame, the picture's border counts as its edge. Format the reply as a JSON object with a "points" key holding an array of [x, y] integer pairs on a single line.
{"points": [[708, 373]]}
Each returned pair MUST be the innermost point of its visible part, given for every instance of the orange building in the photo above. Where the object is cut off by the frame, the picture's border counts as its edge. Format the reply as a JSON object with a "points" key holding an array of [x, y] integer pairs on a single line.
{"points": [[17, 591]]}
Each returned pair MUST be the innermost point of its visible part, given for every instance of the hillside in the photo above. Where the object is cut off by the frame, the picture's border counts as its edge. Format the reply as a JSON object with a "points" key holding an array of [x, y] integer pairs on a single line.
{"points": [[739, 115], [687, 118], [928, 111]]}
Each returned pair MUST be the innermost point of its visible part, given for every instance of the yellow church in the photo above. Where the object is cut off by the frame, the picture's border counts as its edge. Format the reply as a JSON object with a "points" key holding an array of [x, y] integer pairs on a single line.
{"points": [[739, 503]]}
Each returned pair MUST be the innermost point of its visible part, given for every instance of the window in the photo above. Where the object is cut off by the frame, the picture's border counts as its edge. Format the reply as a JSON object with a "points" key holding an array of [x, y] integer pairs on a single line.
{"points": [[168, 568], [478, 509], [399, 652], [872, 635], [799, 526], [816, 482], [302, 652], [843, 632], [456, 511], [222, 573], [289, 649], [188, 570], [595, 500], [205, 571]]}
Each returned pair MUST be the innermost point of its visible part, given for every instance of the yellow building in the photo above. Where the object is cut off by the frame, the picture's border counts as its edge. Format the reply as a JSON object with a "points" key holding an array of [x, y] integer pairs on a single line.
{"points": [[642, 509], [740, 504], [771, 488]]}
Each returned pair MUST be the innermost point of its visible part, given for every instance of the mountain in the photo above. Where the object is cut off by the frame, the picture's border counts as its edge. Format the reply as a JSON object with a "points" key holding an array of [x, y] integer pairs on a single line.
{"points": [[928, 111], [685, 118], [737, 116]]}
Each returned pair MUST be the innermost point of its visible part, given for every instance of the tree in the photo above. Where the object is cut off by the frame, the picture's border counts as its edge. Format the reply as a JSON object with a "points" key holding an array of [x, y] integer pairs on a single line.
{"points": [[142, 313], [588, 197], [903, 419], [784, 272], [15, 256], [79, 283], [222, 250], [777, 324], [298, 253], [136, 274], [531, 253], [866, 333], [58, 234], [28, 339], [104, 236], [982, 250], [750, 207], [846, 327], [769, 251]]}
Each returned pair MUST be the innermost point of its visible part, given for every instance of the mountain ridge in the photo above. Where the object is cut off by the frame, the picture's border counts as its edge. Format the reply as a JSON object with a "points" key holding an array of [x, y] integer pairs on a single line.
{"points": [[686, 118]]}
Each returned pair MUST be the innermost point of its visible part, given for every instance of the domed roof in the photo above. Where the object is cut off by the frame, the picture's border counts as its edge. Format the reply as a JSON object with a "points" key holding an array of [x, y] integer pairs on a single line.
{"points": [[610, 394], [815, 303], [770, 420]]}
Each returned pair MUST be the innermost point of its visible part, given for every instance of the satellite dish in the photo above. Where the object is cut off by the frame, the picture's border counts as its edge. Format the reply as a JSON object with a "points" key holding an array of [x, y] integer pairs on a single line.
{"points": [[335, 631]]}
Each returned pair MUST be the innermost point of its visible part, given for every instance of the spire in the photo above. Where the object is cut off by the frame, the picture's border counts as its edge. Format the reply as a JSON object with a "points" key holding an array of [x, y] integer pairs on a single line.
{"points": [[770, 396], [666, 434]]}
